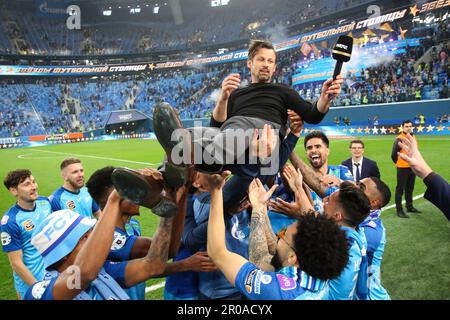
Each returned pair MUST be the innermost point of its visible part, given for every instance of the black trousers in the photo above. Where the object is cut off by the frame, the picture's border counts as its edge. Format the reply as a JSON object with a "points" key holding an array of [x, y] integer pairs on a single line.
{"points": [[405, 183]]}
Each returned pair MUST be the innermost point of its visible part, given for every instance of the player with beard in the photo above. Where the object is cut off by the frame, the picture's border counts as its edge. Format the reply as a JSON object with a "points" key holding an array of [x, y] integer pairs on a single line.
{"points": [[317, 151], [73, 195], [322, 178], [287, 266]]}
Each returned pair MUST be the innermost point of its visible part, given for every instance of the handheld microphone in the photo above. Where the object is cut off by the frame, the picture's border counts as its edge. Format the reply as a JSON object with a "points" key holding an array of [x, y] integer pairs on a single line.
{"points": [[342, 52]]}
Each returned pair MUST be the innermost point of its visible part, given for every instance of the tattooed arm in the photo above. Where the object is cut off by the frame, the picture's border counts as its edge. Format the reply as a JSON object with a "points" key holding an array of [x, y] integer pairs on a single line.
{"points": [[309, 176], [259, 253], [262, 240], [154, 263]]}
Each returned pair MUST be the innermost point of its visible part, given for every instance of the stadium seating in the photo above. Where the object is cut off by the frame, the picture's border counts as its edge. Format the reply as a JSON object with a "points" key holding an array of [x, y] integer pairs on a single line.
{"points": [[269, 19], [41, 106]]}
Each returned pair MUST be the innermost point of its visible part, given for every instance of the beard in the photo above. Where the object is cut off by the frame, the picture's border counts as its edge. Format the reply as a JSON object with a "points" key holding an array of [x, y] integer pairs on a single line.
{"points": [[276, 262], [317, 164], [76, 185], [262, 77]]}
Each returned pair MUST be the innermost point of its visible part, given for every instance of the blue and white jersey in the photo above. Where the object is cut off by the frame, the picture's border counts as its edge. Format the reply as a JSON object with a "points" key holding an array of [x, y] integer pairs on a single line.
{"points": [[345, 286], [376, 240], [17, 226], [278, 220], [107, 286], [81, 202], [340, 172], [289, 283], [121, 251], [237, 233]]}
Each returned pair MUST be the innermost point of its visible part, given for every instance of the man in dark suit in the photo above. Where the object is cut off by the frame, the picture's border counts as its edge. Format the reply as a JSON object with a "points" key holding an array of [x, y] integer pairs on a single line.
{"points": [[360, 166]]}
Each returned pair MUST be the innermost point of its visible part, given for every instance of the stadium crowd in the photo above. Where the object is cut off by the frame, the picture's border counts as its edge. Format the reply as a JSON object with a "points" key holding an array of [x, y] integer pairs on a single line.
{"points": [[31, 34], [303, 231]]}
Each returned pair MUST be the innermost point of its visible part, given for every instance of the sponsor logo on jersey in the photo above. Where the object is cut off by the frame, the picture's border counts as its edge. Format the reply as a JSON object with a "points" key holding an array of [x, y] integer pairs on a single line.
{"points": [[286, 283], [71, 204], [6, 238], [249, 280], [28, 225]]}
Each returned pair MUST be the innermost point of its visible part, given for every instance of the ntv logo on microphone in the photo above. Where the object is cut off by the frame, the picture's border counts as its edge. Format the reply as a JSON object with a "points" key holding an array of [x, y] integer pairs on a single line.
{"points": [[341, 46], [73, 22]]}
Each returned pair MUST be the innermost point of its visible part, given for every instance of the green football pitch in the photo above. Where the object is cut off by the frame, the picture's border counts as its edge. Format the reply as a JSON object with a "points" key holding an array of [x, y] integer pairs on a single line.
{"points": [[416, 262]]}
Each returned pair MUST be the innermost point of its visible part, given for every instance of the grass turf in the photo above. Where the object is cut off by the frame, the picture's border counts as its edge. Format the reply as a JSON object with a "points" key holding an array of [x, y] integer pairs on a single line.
{"points": [[417, 255]]}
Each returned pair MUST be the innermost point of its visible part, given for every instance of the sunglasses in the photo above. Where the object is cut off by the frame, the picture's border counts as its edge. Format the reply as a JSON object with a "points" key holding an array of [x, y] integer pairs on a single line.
{"points": [[282, 235]]}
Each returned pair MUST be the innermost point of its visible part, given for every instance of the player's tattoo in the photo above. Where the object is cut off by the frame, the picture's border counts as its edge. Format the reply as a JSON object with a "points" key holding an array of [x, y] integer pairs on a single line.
{"points": [[258, 247], [309, 176], [159, 249]]}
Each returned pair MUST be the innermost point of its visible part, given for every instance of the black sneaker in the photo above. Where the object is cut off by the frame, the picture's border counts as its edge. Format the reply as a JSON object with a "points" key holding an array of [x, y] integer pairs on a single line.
{"points": [[402, 214], [414, 210]]}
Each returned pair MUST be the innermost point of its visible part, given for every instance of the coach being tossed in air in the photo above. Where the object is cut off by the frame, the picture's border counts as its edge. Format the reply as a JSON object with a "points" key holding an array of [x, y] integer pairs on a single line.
{"points": [[75, 249]]}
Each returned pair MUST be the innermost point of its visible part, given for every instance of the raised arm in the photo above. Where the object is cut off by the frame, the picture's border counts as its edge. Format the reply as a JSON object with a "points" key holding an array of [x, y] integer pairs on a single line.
{"points": [[259, 251], [154, 263], [309, 176], [92, 255], [229, 84], [227, 262]]}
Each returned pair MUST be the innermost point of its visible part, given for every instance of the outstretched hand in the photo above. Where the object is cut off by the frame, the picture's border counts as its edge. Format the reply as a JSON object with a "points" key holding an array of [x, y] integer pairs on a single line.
{"points": [[258, 195], [413, 156], [216, 181]]}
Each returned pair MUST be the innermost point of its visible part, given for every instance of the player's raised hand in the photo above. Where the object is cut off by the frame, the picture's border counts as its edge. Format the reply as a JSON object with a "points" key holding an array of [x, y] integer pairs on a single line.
{"points": [[216, 181], [229, 84], [258, 195]]}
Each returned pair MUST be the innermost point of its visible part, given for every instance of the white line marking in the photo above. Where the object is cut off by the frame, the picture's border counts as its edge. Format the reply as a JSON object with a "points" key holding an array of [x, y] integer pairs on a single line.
{"points": [[155, 287], [403, 202], [96, 157]]}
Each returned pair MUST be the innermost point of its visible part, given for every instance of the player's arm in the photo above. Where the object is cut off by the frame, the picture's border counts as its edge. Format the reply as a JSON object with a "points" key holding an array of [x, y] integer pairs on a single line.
{"points": [[16, 261], [259, 251], [154, 263], [96, 211], [92, 255], [229, 84], [227, 262], [198, 262], [178, 222], [309, 176]]}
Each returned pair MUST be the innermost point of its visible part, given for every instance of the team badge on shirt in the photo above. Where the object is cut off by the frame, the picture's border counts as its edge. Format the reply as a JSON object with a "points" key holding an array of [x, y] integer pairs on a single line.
{"points": [[71, 205], [6, 238], [39, 289], [28, 225], [119, 241]]}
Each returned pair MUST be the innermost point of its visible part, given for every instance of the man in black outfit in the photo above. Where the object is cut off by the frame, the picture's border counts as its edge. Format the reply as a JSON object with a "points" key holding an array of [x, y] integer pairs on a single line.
{"points": [[405, 176], [246, 109], [239, 112]]}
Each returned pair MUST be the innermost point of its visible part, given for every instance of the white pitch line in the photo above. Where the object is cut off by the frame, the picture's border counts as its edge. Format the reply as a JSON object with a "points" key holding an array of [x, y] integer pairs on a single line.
{"points": [[96, 157], [403, 202], [155, 287]]}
